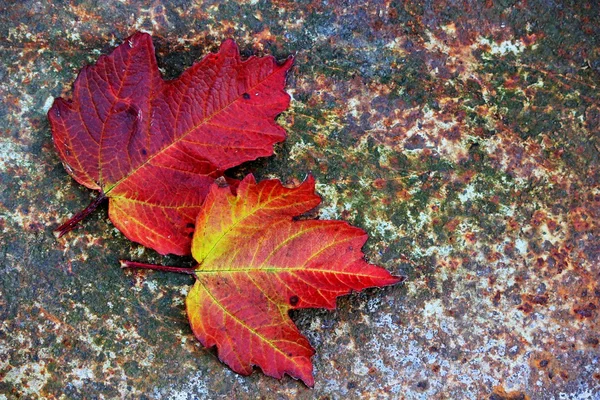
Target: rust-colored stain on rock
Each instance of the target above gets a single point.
(463, 136)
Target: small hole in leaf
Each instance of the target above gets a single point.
(246, 96)
(294, 300)
(189, 225)
(191, 235)
(144, 152)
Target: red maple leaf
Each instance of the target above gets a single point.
(153, 147)
(256, 263)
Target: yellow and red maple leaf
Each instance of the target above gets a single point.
(256, 263)
(154, 147)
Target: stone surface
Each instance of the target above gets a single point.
(463, 136)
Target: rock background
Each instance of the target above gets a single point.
(462, 135)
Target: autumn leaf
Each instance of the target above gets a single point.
(153, 147)
(256, 263)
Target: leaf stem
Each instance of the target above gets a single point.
(134, 264)
(72, 223)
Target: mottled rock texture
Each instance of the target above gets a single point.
(464, 136)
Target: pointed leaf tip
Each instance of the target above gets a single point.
(229, 47)
(287, 64)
